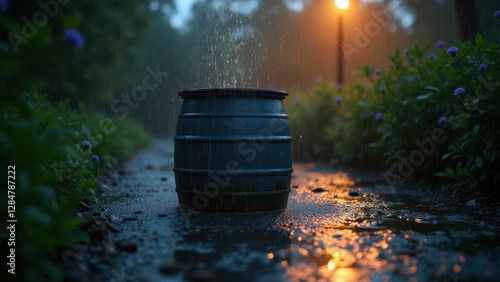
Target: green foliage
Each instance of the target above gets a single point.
(332, 124)
(43, 140)
(93, 73)
(476, 120)
(354, 128)
(424, 130)
(42, 224)
(419, 90)
(53, 172)
(308, 117)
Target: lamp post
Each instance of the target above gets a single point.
(341, 5)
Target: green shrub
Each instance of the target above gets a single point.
(309, 115)
(476, 118)
(406, 118)
(78, 61)
(417, 94)
(93, 73)
(335, 125)
(428, 90)
(54, 172)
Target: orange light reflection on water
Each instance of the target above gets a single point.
(328, 247)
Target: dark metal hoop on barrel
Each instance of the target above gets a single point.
(233, 150)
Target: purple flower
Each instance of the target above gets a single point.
(482, 67)
(379, 116)
(440, 44)
(381, 89)
(338, 100)
(405, 51)
(4, 6)
(297, 102)
(452, 51)
(74, 37)
(86, 145)
(442, 120)
(432, 56)
(378, 72)
(497, 14)
(459, 91)
(95, 158)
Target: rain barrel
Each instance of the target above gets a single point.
(233, 150)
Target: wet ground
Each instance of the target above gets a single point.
(339, 226)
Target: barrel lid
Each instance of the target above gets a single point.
(197, 93)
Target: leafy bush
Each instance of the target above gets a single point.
(417, 94)
(43, 141)
(427, 114)
(54, 171)
(95, 61)
(332, 124)
(476, 119)
(309, 115)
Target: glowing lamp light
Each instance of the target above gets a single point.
(331, 265)
(342, 4)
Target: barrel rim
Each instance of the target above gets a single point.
(222, 92)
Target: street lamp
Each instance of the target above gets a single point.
(341, 5)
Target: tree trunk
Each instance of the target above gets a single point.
(468, 21)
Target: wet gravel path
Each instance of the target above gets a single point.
(339, 226)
